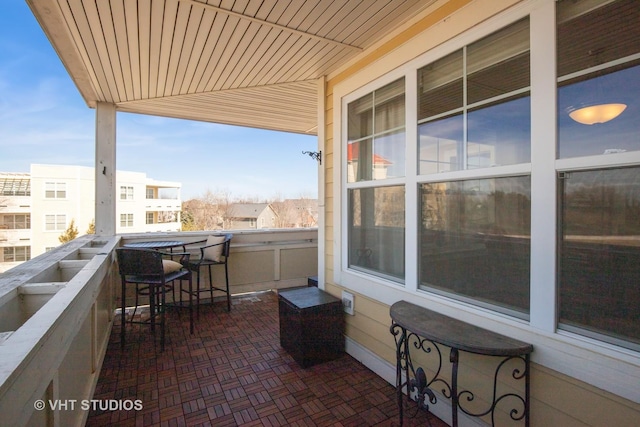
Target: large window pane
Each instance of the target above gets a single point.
(360, 117)
(441, 145)
(600, 253)
(389, 155)
(440, 86)
(376, 231)
(588, 35)
(475, 241)
(376, 158)
(389, 107)
(599, 77)
(499, 63)
(474, 108)
(376, 134)
(619, 134)
(499, 134)
(360, 160)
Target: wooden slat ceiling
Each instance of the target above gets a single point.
(244, 62)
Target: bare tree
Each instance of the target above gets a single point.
(214, 211)
(199, 214)
(208, 212)
(224, 208)
(286, 213)
(295, 213)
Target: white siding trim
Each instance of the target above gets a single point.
(543, 176)
(411, 183)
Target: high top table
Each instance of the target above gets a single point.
(162, 245)
(419, 329)
(150, 244)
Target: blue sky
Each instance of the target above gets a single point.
(43, 119)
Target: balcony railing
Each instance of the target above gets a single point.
(57, 311)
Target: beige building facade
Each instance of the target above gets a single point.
(38, 207)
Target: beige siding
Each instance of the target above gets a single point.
(556, 399)
(328, 163)
(298, 262)
(561, 400)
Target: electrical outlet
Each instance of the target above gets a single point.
(347, 302)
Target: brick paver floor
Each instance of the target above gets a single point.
(231, 372)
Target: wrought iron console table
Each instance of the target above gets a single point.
(422, 330)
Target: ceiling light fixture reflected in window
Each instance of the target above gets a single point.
(599, 113)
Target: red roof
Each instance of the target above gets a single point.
(353, 154)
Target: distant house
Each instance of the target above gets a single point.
(245, 216)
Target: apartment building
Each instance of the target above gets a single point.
(37, 207)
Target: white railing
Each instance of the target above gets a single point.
(57, 311)
(259, 259)
(55, 316)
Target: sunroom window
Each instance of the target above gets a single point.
(598, 124)
(598, 77)
(376, 154)
(376, 146)
(376, 231)
(474, 105)
(600, 253)
(474, 114)
(475, 241)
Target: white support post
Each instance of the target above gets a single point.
(105, 171)
(322, 101)
(543, 177)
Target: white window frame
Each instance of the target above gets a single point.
(126, 219)
(57, 187)
(12, 225)
(612, 368)
(126, 192)
(340, 146)
(25, 253)
(56, 222)
(373, 182)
